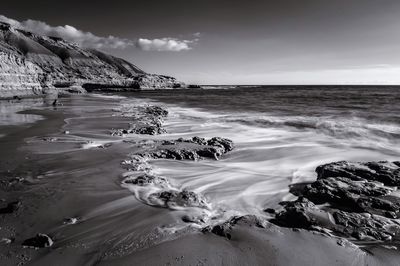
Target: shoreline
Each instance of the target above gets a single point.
(84, 182)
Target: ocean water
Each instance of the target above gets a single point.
(281, 135)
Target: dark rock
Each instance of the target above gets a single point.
(11, 207)
(364, 226)
(347, 194)
(147, 179)
(385, 172)
(147, 120)
(225, 229)
(191, 149)
(39, 241)
(184, 198)
(270, 210)
(193, 86)
(156, 111)
(296, 214)
(358, 200)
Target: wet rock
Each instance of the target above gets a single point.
(385, 172)
(297, 214)
(151, 127)
(347, 194)
(190, 149)
(365, 226)
(225, 229)
(39, 241)
(147, 179)
(147, 120)
(362, 226)
(184, 198)
(11, 207)
(71, 220)
(156, 111)
(358, 202)
(270, 210)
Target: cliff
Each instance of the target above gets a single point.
(32, 65)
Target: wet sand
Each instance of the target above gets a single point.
(58, 176)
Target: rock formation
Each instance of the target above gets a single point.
(32, 65)
(353, 200)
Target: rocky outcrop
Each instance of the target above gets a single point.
(32, 64)
(146, 120)
(189, 149)
(387, 173)
(224, 229)
(39, 241)
(353, 200)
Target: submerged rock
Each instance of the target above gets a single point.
(39, 241)
(11, 207)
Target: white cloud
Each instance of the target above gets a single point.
(164, 44)
(88, 39)
(70, 33)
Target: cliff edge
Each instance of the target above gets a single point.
(33, 65)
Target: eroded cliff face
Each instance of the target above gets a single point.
(32, 64)
(18, 77)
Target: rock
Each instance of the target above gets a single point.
(359, 202)
(184, 198)
(156, 111)
(39, 241)
(225, 229)
(347, 194)
(11, 207)
(71, 220)
(297, 214)
(193, 86)
(365, 227)
(147, 179)
(270, 210)
(385, 172)
(190, 149)
(146, 120)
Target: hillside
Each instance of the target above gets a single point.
(31, 64)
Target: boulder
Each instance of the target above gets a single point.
(39, 241)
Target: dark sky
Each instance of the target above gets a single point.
(244, 42)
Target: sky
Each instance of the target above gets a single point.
(232, 42)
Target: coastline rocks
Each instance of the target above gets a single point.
(190, 149)
(158, 191)
(225, 229)
(352, 200)
(385, 172)
(174, 199)
(346, 194)
(39, 241)
(361, 226)
(147, 179)
(147, 120)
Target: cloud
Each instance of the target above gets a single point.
(70, 33)
(89, 40)
(164, 44)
